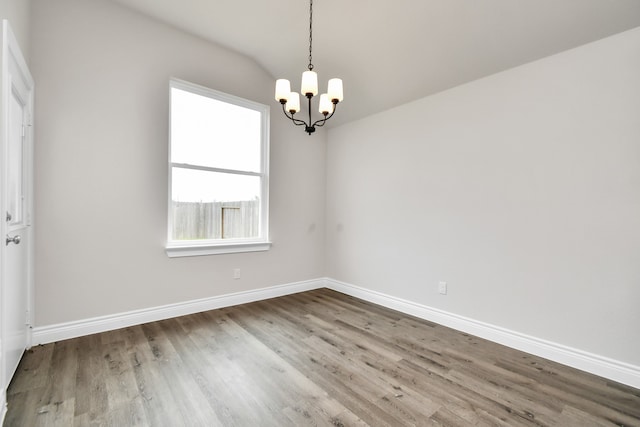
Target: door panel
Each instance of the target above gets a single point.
(15, 311)
(16, 183)
(16, 277)
(15, 163)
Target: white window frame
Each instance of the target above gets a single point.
(182, 248)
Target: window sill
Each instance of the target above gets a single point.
(176, 250)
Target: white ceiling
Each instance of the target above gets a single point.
(391, 52)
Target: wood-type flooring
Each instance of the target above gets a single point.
(317, 358)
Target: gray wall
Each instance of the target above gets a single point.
(521, 190)
(102, 75)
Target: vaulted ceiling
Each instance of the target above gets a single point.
(392, 52)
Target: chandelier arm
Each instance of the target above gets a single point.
(323, 120)
(297, 122)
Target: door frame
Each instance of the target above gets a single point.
(14, 71)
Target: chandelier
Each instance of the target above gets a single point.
(291, 100)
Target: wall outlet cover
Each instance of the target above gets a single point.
(442, 288)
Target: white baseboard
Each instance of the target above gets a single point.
(63, 331)
(595, 364)
(602, 366)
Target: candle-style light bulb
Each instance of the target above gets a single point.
(283, 89)
(326, 107)
(309, 83)
(334, 90)
(293, 103)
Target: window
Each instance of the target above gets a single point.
(218, 172)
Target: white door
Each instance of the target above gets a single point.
(16, 188)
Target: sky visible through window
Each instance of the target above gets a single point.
(215, 134)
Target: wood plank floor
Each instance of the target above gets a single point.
(318, 358)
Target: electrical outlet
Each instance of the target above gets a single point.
(236, 273)
(442, 288)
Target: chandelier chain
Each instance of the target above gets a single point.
(310, 32)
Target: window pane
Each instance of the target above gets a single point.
(212, 205)
(208, 132)
(218, 149)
